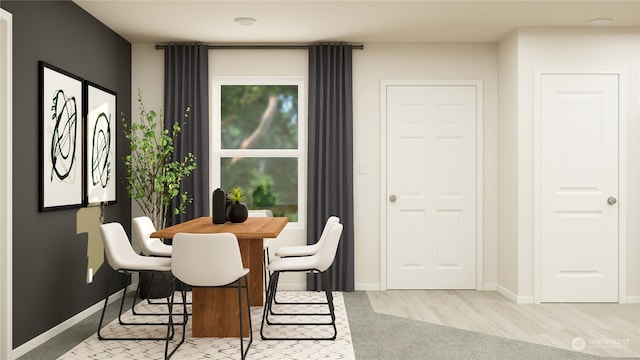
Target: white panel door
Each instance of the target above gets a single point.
(579, 187)
(431, 187)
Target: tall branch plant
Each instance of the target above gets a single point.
(153, 177)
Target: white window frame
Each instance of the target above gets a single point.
(217, 152)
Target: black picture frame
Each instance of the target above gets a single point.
(100, 145)
(61, 138)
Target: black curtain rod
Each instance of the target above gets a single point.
(253, 47)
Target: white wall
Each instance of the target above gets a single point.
(375, 63)
(379, 62)
(508, 213)
(569, 48)
(507, 168)
(147, 81)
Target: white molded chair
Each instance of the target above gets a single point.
(142, 228)
(210, 260)
(307, 250)
(123, 259)
(317, 263)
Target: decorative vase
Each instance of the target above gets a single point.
(237, 212)
(218, 206)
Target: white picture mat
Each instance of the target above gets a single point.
(101, 145)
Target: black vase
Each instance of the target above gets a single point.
(237, 212)
(218, 206)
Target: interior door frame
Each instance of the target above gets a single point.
(479, 167)
(6, 220)
(622, 175)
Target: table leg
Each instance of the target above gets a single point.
(252, 253)
(215, 310)
(215, 313)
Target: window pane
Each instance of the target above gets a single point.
(268, 183)
(259, 116)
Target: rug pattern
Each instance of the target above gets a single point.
(225, 348)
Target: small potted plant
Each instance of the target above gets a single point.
(237, 211)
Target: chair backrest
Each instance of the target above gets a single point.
(308, 250)
(327, 252)
(261, 213)
(206, 259)
(142, 228)
(117, 246)
(327, 225)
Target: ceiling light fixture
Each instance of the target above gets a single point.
(599, 22)
(245, 20)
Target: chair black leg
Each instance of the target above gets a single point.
(166, 302)
(332, 310)
(121, 322)
(273, 280)
(138, 291)
(151, 302)
(243, 352)
(266, 274)
(271, 295)
(104, 308)
(246, 292)
(278, 302)
(170, 326)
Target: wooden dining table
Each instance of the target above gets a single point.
(215, 310)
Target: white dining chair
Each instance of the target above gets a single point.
(211, 260)
(142, 229)
(123, 259)
(317, 263)
(307, 250)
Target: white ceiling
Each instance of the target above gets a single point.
(357, 21)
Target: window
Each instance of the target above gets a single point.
(257, 142)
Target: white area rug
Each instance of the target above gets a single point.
(224, 348)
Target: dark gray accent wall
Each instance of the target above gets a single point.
(49, 256)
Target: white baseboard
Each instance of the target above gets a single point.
(490, 287)
(376, 287)
(69, 323)
(518, 299)
(633, 299)
(367, 287)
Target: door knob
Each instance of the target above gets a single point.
(612, 200)
(393, 198)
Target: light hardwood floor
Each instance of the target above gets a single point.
(607, 329)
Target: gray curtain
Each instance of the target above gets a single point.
(186, 84)
(330, 162)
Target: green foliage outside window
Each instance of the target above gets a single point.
(261, 117)
(270, 183)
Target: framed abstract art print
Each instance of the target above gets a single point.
(100, 167)
(61, 132)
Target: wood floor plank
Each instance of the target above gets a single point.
(608, 329)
